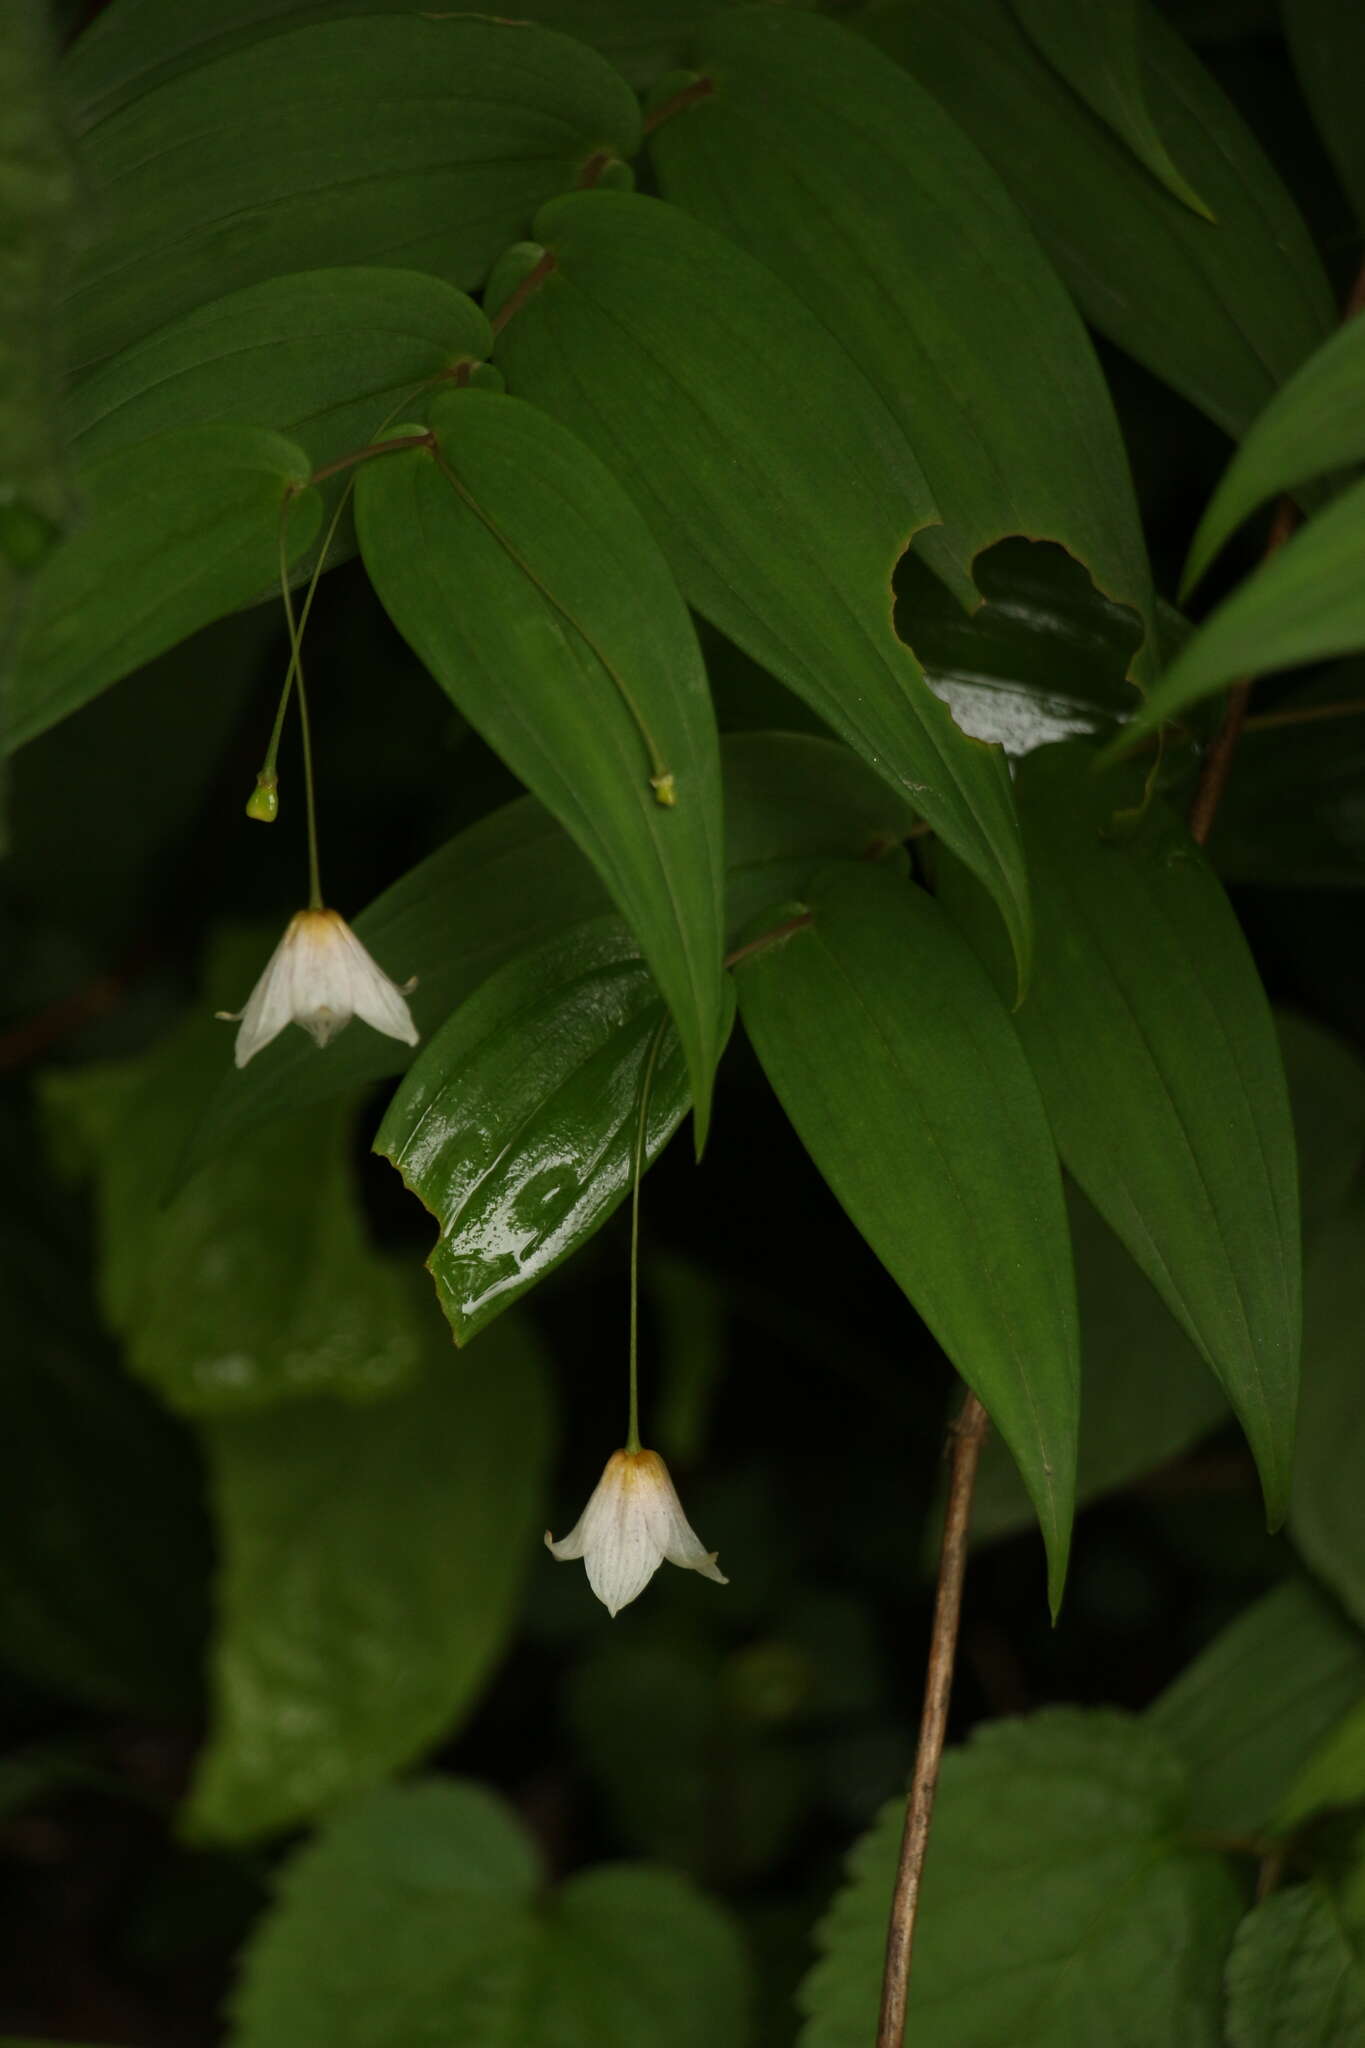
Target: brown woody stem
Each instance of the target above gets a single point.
(969, 1434)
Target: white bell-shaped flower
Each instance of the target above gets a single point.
(320, 976)
(632, 1523)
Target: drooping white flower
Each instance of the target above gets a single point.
(320, 976)
(632, 1523)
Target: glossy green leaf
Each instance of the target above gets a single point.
(255, 1282)
(519, 571)
(103, 1582)
(1248, 1712)
(36, 193)
(896, 1063)
(516, 879)
(1146, 1395)
(245, 167)
(178, 531)
(1223, 313)
(1327, 43)
(419, 1916)
(1100, 52)
(1327, 1508)
(1043, 658)
(325, 356)
(1313, 424)
(1152, 1042)
(778, 484)
(516, 1125)
(1305, 601)
(1292, 1979)
(373, 1560)
(828, 163)
(1059, 1900)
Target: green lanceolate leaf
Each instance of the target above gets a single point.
(1146, 1395)
(1305, 601)
(519, 571)
(1314, 424)
(748, 436)
(1293, 1980)
(1327, 1509)
(1327, 42)
(324, 356)
(1334, 1775)
(420, 1915)
(1223, 313)
(1058, 1894)
(1100, 53)
(516, 1125)
(896, 1063)
(833, 167)
(373, 1558)
(1246, 1715)
(516, 879)
(177, 532)
(245, 168)
(1153, 1045)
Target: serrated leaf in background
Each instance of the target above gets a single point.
(1292, 1978)
(747, 434)
(516, 1126)
(373, 1557)
(244, 168)
(831, 165)
(1152, 1042)
(1249, 1710)
(416, 1916)
(895, 1061)
(178, 531)
(520, 572)
(1223, 313)
(1059, 1900)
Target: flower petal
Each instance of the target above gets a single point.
(375, 999)
(670, 1528)
(269, 1006)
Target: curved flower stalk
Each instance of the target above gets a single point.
(320, 976)
(633, 1521)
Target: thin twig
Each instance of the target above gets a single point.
(969, 1434)
(699, 89)
(1213, 778)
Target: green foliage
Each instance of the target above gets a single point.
(373, 1562)
(1060, 1899)
(179, 530)
(876, 1027)
(1327, 39)
(1222, 315)
(457, 170)
(846, 179)
(1153, 1046)
(1327, 1509)
(616, 1955)
(682, 361)
(516, 1127)
(1101, 53)
(1293, 1981)
(530, 556)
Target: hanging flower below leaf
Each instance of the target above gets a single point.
(320, 976)
(633, 1521)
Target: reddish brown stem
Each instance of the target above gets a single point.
(399, 441)
(766, 939)
(700, 89)
(1213, 777)
(529, 285)
(969, 1434)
